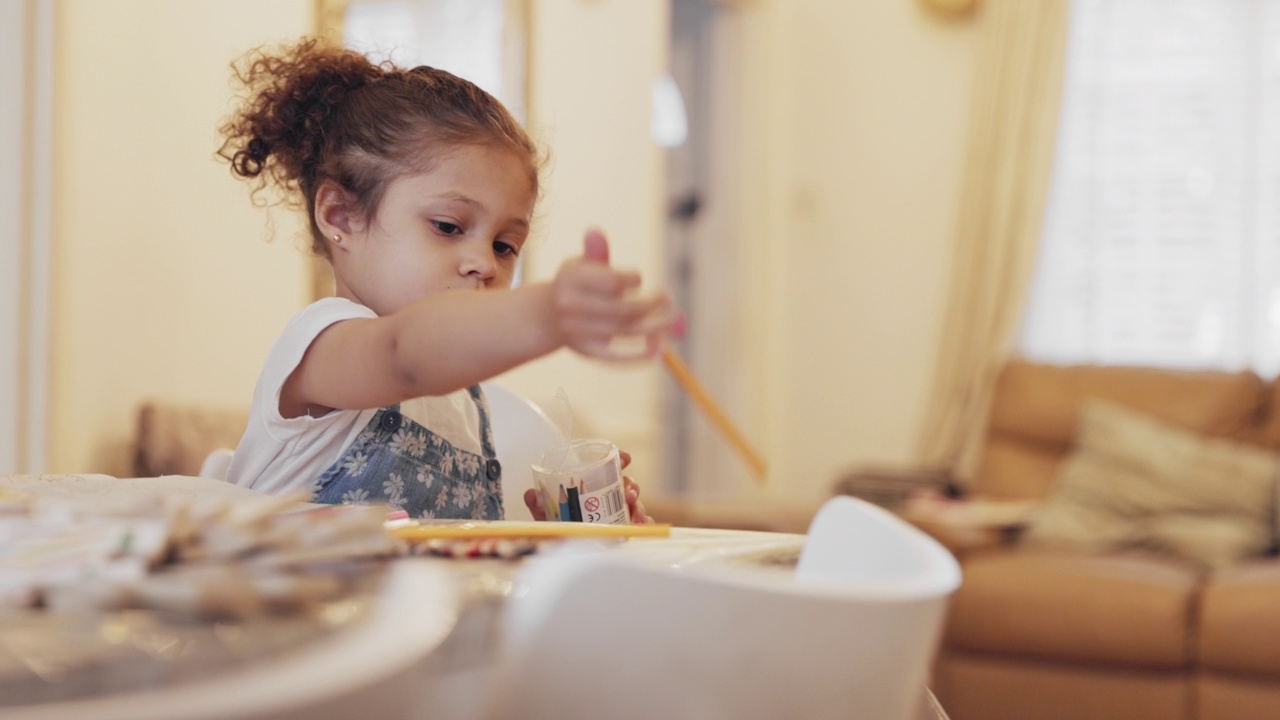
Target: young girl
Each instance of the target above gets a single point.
(420, 189)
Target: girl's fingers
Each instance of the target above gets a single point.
(661, 319)
(595, 248)
(636, 508)
(533, 501)
(652, 317)
(598, 279)
(602, 351)
(614, 312)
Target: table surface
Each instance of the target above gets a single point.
(467, 649)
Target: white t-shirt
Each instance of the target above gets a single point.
(279, 454)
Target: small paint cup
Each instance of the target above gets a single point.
(582, 483)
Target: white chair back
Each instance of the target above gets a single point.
(521, 432)
(596, 635)
(217, 463)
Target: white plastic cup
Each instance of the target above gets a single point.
(582, 483)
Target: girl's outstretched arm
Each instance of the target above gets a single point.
(450, 340)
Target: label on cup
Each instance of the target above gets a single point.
(606, 505)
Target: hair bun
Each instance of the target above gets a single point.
(280, 130)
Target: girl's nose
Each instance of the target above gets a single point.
(478, 261)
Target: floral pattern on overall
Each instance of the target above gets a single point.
(405, 465)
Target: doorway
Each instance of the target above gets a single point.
(703, 263)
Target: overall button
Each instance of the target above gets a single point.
(391, 421)
(493, 469)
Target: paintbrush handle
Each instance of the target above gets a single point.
(698, 393)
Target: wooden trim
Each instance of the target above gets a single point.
(329, 15)
(329, 21)
(38, 285)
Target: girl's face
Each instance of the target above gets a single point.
(458, 226)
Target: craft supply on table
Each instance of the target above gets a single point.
(503, 548)
(228, 558)
(468, 529)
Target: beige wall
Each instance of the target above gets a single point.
(164, 284)
(853, 129)
(867, 107)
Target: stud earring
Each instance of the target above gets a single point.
(337, 239)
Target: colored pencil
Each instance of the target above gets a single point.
(575, 510)
(564, 505)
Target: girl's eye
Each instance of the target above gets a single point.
(447, 228)
(505, 249)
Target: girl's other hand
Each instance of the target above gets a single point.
(592, 303)
(533, 501)
(635, 508)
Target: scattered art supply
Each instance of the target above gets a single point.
(502, 548)
(233, 558)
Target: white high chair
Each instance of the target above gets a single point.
(217, 463)
(850, 634)
(521, 432)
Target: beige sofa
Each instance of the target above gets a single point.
(173, 438)
(1040, 633)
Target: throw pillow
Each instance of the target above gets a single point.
(1132, 480)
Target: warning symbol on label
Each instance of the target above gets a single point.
(592, 504)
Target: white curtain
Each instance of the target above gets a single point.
(1012, 132)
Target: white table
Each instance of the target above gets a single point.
(439, 625)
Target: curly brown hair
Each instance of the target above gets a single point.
(316, 112)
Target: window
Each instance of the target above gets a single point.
(1161, 241)
(483, 41)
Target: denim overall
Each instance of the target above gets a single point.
(397, 461)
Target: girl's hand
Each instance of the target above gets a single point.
(635, 508)
(533, 501)
(592, 303)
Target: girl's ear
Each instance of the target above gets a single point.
(335, 211)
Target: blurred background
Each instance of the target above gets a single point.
(848, 198)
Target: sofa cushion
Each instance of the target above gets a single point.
(1267, 430)
(1133, 480)
(1017, 468)
(1036, 408)
(1239, 620)
(1125, 609)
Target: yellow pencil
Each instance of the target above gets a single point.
(427, 531)
(695, 390)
